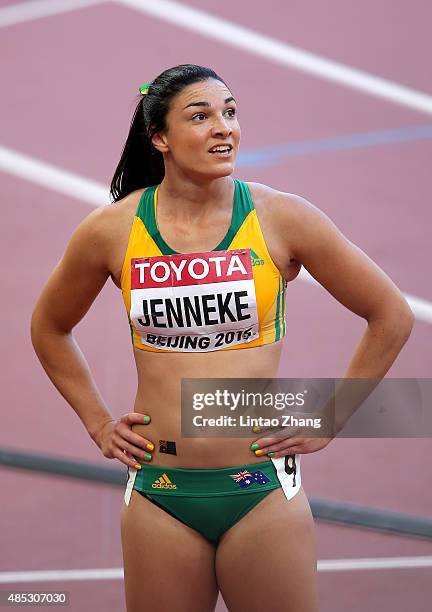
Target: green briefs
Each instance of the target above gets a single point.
(212, 501)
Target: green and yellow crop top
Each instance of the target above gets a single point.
(230, 298)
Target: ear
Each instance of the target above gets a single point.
(160, 143)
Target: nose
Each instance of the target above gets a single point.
(220, 126)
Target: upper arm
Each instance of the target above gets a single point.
(339, 265)
(77, 279)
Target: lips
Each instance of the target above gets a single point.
(227, 145)
(222, 154)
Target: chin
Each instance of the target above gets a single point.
(227, 172)
(224, 170)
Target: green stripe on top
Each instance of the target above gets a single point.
(277, 319)
(242, 206)
(283, 307)
(146, 212)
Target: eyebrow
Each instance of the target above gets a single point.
(230, 99)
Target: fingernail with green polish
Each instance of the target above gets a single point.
(270, 454)
(147, 419)
(147, 457)
(254, 446)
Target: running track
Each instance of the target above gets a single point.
(355, 145)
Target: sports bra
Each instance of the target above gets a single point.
(232, 297)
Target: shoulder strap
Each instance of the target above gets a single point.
(243, 205)
(144, 210)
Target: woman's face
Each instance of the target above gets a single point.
(201, 116)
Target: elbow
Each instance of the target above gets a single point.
(39, 327)
(397, 319)
(35, 328)
(406, 319)
(399, 331)
(45, 336)
(406, 329)
(43, 322)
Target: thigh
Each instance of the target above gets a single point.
(167, 565)
(268, 559)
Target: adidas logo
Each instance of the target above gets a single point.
(163, 483)
(256, 260)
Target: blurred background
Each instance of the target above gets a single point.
(335, 103)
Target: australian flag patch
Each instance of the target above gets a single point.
(245, 479)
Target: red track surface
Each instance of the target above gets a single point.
(68, 89)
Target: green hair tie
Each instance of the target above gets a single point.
(143, 89)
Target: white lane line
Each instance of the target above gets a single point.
(116, 573)
(97, 194)
(238, 36)
(52, 177)
(58, 575)
(421, 308)
(342, 565)
(259, 44)
(34, 9)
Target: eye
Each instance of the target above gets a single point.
(233, 112)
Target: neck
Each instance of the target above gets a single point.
(183, 195)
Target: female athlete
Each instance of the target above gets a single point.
(203, 261)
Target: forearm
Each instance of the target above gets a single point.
(378, 349)
(68, 369)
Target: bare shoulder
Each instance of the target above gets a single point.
(107, 221)
(284, 205)
(299, 222)
(279, 214)
(94, 248)
(335, 262)
(104, 233)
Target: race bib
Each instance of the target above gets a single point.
(195, 301)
